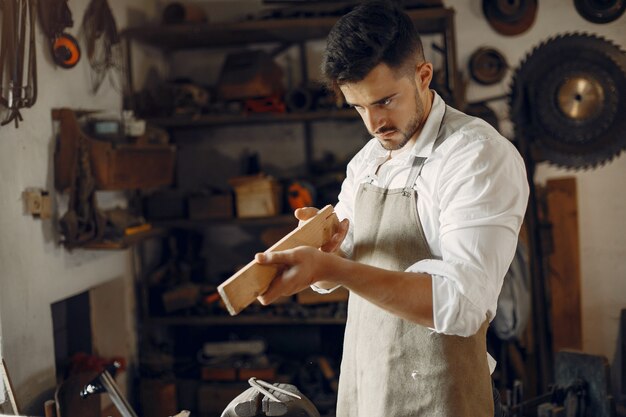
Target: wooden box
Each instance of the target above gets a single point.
(216, 206)
(256, 196)
(113, 166)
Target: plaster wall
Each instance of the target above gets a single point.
(36, 271)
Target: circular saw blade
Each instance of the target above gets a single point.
(567, 100)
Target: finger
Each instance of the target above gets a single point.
(305, 213)
(272, 293)
(279, 257)
(338, 237)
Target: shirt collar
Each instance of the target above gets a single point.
(423, 146)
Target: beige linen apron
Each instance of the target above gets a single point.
(392, 367)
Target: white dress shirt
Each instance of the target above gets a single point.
(472, 196)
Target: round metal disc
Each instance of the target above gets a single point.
(487, 66)
(580, 98)
(600, 11)
(510, 17)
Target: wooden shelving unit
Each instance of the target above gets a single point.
(126, 241)
(208, 120)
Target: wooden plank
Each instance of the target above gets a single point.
(564, 265)
(252, 280)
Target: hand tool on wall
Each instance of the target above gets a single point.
(18, 63)
(241, 289)
(99, 32)
(54, 17)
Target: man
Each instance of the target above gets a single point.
(431, 210)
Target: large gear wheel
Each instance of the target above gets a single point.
(568, 100)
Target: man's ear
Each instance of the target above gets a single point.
(424, 75)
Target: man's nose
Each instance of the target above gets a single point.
(374, 119)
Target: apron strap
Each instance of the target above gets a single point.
(416, 170)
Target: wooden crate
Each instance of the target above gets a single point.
(216, 206)
(114, 166)
(257, 196)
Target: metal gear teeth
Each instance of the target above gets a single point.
(519, 114)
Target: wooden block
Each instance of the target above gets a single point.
(252, 280)
(564, 271)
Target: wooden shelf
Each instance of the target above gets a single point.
(241, 321)
(285, 219)
(254, 118)
(290, 30)
(125, 242)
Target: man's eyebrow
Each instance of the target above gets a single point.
(379, 101)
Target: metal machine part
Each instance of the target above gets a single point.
(265, 399)
(567, 98)
(487, 66)
(600, 11)
(510, 17)
(105, 383)
(581, 389)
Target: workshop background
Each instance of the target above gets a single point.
(48, 291)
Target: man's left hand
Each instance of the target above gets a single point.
(298, 269)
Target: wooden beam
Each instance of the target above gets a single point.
(252, 280)
(564, 264)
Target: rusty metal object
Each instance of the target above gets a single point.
(567, 100)
(510, 17)
(487, 66)
(600, 11)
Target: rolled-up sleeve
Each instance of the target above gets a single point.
(482, 194)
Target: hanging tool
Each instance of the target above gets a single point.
(54, 17)
(568, 99)
(65, 50)
(18, 64)
(102, 40)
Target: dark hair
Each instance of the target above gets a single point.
(372, 33)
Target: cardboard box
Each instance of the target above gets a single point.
(257, 196)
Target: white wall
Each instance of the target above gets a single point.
(601, 204)
(35, 270)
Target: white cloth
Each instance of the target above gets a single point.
(472, 196)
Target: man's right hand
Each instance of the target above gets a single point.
(334, 244)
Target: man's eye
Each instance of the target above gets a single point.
(387, 102)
